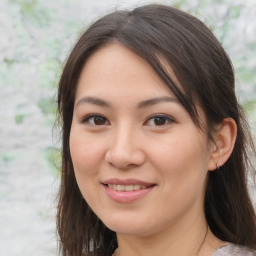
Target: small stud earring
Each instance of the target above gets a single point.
(218, 166)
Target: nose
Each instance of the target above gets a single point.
(124, 151)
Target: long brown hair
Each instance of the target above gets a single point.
(157, 32)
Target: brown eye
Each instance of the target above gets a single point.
(96, 120)
(159, 120)
(99, 120)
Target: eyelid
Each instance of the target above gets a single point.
(167, 117)
(89, 116)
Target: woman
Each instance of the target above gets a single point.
(155, 146)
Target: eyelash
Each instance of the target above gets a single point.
(93, 116)
(167, 120)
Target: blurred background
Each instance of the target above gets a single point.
(35, 38)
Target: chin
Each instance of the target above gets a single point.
(129, 227)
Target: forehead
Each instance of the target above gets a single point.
(116, 69)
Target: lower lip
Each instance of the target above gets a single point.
(127, 196)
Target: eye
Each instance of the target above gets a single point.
(159, 120)
(94, 119)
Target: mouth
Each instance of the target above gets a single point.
(127, 191)
(118, 187)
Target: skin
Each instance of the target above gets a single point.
(130, 140)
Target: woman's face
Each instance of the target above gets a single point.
(139, 160)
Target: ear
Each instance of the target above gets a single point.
(224, 138)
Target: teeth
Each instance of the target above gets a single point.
(136, 187)
(126, 187)
(119, 187)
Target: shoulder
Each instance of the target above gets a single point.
(234, 250)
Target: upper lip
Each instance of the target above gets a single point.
(116, 181)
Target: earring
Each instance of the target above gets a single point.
(218, 166)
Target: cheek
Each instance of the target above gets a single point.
(85, 153)
(183, 170)
(182, 160)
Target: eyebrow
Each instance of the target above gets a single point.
(157, 100)
(103, 103)
(93, 100)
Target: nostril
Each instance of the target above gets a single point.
(125, 158)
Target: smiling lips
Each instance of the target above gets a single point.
(126, 187)
(127, 191)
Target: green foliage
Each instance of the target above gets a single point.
(178, 4)
(250, 104)
(33, 12)
(49, 74)
(7, 157)
(235, 11)
(19, 118)
(9, 62)
(52, 156)
(47, 105)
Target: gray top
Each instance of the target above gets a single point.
(233, 250)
